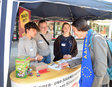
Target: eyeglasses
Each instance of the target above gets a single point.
(43, 27)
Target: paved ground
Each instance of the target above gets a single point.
(14, 53)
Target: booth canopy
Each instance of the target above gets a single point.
(69, 9)
(50, 9)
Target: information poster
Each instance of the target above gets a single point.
(24, 17)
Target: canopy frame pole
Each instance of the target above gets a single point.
(110, 29)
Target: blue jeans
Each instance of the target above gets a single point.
(46, 59)
(106, 85)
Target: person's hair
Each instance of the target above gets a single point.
(30, 25)
(63, 26)
(81, 25)
(41, 21)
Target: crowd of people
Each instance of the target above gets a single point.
(37, 40)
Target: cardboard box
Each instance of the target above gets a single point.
(22, 65)
(39, 66)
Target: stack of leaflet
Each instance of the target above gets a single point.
(76, 59)
(76, 62)
(55, 66)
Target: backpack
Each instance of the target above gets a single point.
(109, 69)
(109, 43)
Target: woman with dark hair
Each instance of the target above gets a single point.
(94, 58)
(65, 46)
(27, 45)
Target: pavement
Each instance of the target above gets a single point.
(14, 53)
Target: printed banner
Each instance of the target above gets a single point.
(24, 17)
(70, 80)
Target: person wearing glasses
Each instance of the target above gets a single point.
(43, 40)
